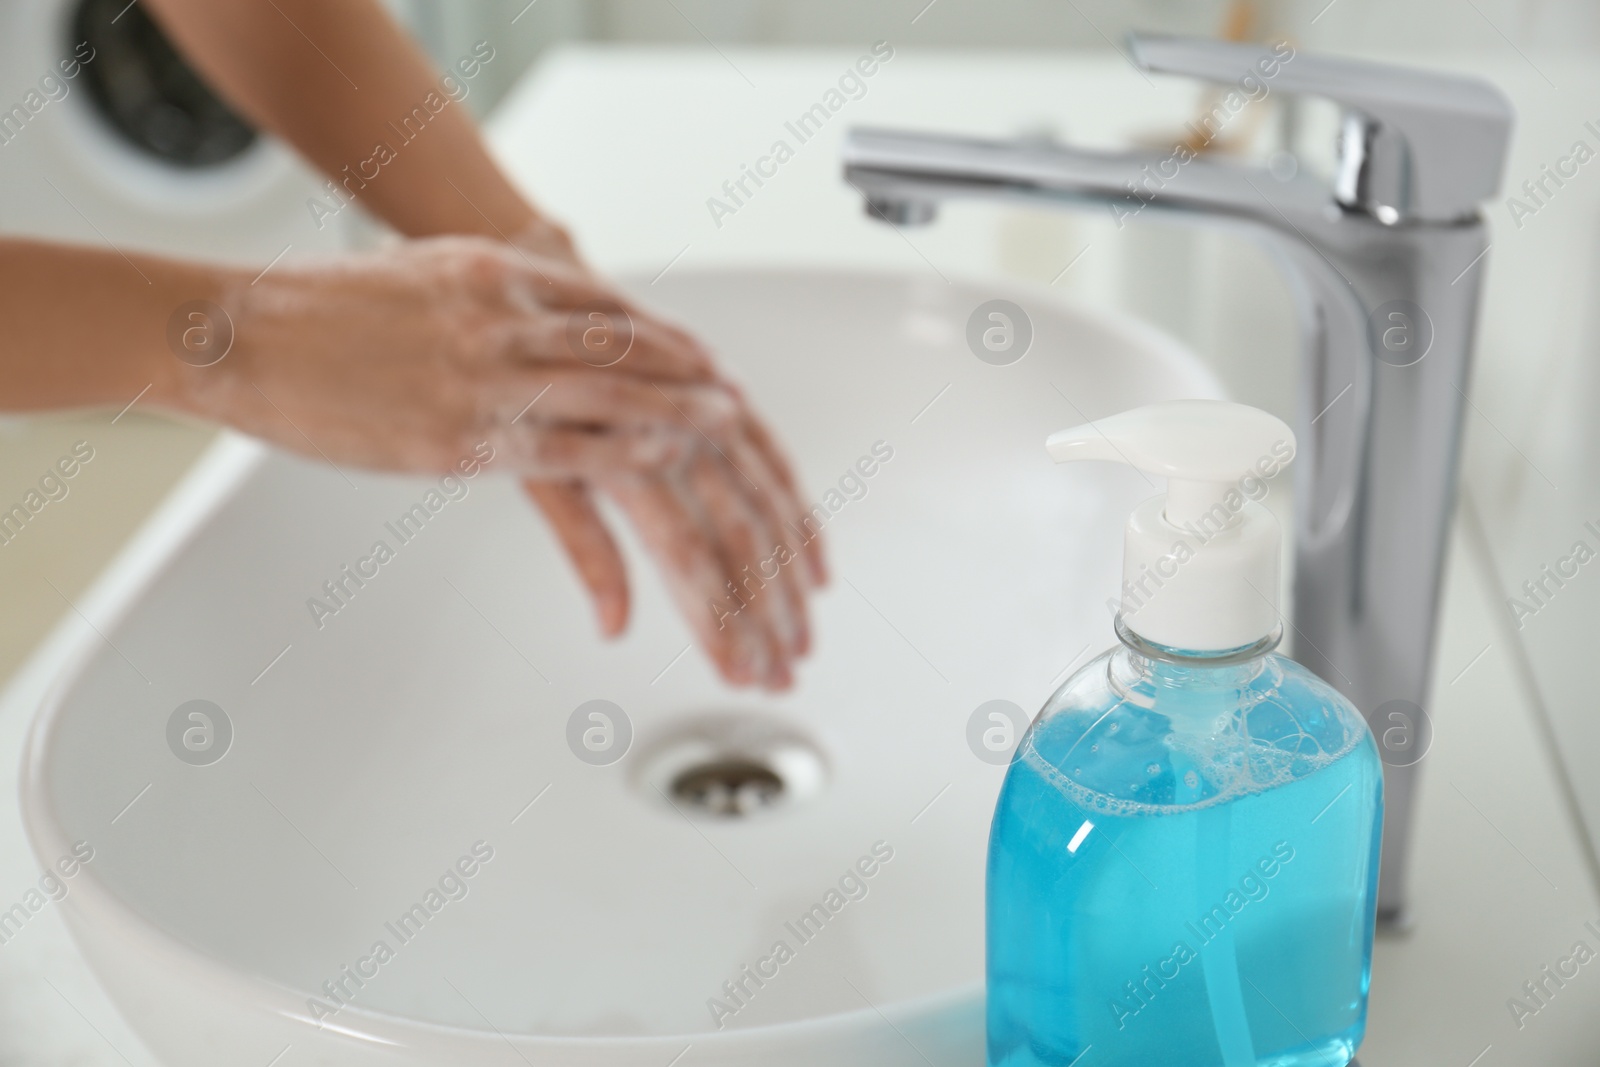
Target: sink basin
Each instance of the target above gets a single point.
(424, 769)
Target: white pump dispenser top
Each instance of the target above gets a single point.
(1200, 564)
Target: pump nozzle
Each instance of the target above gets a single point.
(1203, 447)
(1200, 564)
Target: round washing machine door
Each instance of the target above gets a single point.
(108, 134)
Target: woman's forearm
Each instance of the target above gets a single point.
(330, 79)
(87, 327)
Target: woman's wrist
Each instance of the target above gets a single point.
(199, 349)
(544, 237)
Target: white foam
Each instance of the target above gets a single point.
(1234, 764)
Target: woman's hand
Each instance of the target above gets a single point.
(405, 359)
(693, 548)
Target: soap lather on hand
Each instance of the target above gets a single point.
(476, 327)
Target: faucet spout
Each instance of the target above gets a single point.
(894, 167)
(1384, 266)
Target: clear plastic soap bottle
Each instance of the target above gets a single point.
(1184, 857)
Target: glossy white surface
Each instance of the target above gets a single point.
(429, 713)
(1487, 918)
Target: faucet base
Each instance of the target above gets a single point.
(902, 212)
(1395, 921)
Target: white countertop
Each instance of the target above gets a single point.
(628, 145)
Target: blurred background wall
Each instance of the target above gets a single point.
(1355, 27)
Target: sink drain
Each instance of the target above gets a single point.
(731, 766)
(730, 787)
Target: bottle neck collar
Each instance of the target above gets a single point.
(1195, 660)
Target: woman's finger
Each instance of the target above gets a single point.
(529, 281)
(571, 512)
(754, 553)
(559, 452)
(777, 512)
(560, 310)
(606, 399)
(685, 346)
(758, 449)
(696, 572)
(602, 334)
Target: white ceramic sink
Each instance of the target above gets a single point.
(422, 719)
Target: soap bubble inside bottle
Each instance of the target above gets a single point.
(1183, 867)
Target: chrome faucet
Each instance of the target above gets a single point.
(1384, 263)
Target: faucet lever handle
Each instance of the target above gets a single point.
(1414, 144)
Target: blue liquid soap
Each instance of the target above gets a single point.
(1183, 868)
